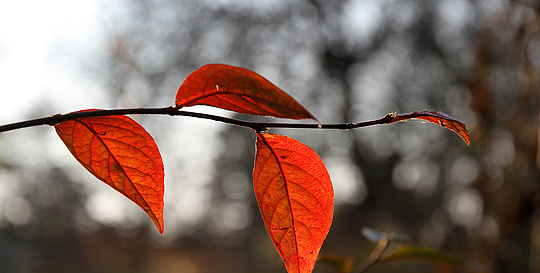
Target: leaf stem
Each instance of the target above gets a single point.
(171, 111)
(373, 257)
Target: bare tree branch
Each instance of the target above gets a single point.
(171, 111)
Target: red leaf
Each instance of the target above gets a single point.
(436, 117)
(295, 197)
(118, 151)
(240, 90)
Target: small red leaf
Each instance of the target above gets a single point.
(295, 197)
(437, 117)
(119, 151)
(240, 90)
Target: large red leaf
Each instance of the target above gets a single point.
(436, 117)
(295, 197)
(237, 89)
(118, 151)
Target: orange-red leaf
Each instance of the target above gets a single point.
(119, 151)
(436, 117)
(295, 197)
(240, 90)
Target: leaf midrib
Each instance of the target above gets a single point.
(95, 134)
(261, 136)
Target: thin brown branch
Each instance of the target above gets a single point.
(171, 111)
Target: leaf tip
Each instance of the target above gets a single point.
(159, 224)
(437, 117)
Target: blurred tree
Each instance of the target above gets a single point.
(346, 61)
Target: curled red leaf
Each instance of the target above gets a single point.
(119, 151)
(437, 117)
(295, 197)
(240, 90)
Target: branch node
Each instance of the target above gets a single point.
(261, 129)
(171, 110)
(53, 119)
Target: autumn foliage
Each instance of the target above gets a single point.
(295, 197)
(118, 151)
(292, 186)
(240, 90)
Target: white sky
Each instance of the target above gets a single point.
(35, 37)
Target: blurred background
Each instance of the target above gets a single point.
(345, 61)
